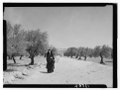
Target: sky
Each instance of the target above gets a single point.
(66, 26)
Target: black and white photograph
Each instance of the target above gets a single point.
(59, 44)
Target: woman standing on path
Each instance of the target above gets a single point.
(50, 61)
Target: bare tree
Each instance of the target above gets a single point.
(84, 52)
(72, 51)
(102, 51)
(80, 52)
(37, 43)
(15, 41)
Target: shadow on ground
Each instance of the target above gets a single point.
(17, 64)
(11, 70)
(44, 72)
(109, 61)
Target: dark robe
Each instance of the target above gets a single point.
(50, 61)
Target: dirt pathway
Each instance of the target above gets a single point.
(71, 71)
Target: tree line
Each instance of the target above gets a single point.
(31, 43)
(98, 51)
(22, 42)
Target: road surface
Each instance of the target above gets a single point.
(71, 71)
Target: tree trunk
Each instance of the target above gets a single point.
(79, 58)
(8, 56)
(32, 60)
(85, 57)
(101, 62)
(21, 57)
(13, 59)
(76, 56)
